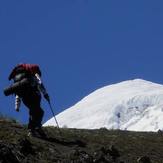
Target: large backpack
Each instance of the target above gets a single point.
(24, 79)
(30, 69)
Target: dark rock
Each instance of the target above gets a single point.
(102, 156)
(144, 159)
(25, 146)
(79, 156)
(114, 153)
(7, 155)
(160, 132)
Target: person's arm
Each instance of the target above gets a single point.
(17, 103)
(41, 87)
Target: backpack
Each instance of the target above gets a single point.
(23, 76)
(30, 69)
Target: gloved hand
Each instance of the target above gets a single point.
(46, 96)
(17, 109)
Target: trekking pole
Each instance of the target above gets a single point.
(54, 117)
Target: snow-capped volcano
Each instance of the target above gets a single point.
(130, 105)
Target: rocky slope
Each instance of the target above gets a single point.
(78, 146)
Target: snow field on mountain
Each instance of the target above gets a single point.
(130, 105)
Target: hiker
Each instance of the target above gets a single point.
(28, 87)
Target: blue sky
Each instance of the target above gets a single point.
(80, 45)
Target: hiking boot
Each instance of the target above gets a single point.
(31, 133)
(40, 132)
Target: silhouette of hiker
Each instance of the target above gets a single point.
(28, 87)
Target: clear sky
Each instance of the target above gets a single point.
(80, 45)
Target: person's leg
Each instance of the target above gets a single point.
(38, 116)
(35, 111)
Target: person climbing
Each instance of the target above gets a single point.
(28, 87)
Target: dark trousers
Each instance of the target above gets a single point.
(32, 101)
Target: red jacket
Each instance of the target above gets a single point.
(31, 68)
